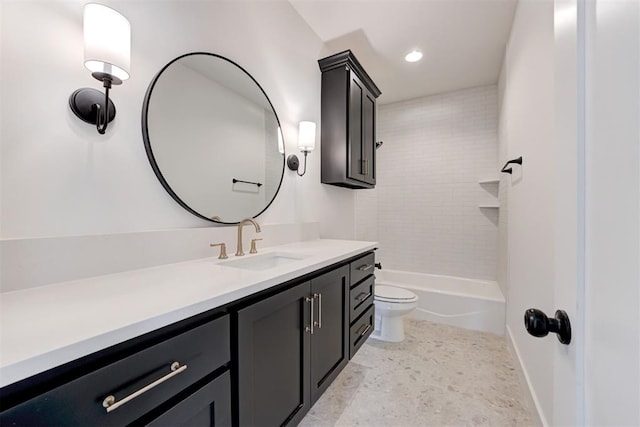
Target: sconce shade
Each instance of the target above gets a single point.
(107, 42)
(280, 142)
(307, 136)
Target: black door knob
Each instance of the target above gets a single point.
(378, 266)
(539, 325)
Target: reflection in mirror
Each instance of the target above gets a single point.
(213, 138)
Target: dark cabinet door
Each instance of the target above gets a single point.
(208, 406)
(369, 138)
(361, 144)
(329, 340)
(274, 359)
(355, 155)
(348, 122)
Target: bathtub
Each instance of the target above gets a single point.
(466, 303)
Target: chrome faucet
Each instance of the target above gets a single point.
(239, 251)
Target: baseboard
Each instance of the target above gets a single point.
(532, 400)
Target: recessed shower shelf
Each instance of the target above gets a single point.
(489, 181)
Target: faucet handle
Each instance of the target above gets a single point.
(223, 250)
(253, 246)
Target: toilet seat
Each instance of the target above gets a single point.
(395, 295)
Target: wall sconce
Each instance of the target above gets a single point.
(107, 53)
(306, 144)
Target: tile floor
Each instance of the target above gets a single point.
(439, 376)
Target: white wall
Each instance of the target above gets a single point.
(426, 200)
(60, 178)
(527, 130)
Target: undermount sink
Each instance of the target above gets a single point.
(262, 262)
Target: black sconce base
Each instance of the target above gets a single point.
(82, 103)
(293, 162)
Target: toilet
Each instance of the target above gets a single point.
(392, 304)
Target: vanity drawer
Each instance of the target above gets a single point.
(361, 297)
(138, 383)
(362, 267)
(360, 331)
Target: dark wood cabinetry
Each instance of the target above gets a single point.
(261, 360)
(208, 406)
(141, 387)
(348, 123)
(329, 341)
(290, 348)
(274, 359)
(361, 295)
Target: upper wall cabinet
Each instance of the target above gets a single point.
(348, 122)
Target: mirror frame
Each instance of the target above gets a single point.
(149, 149)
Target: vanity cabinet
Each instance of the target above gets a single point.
(291, 346)
(361, 295)
(167, 383)
(348, 132)
(263, 359)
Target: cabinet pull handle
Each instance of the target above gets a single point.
(363, 296)
(365, 267)
(319, 322)
(310, 329)
(364, 331)
(365, 167)
(110, 404)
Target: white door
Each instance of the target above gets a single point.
(612, 205)
(597, 241)
(569, 65)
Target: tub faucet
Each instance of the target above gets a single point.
(239, 251)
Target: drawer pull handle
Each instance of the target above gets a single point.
(319, 322)
(310, 329)
(110, 403)
(365, 330)
(365, 267)
(363, 296)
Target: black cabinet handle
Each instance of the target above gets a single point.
(539, 325)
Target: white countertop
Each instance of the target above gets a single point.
(44, 327)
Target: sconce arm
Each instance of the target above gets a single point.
(305, 165)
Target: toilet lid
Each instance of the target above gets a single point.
(391, 293)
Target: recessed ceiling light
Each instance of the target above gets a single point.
(413, 56)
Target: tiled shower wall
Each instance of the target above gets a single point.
(425, 209)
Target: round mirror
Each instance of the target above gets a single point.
(213, 138)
